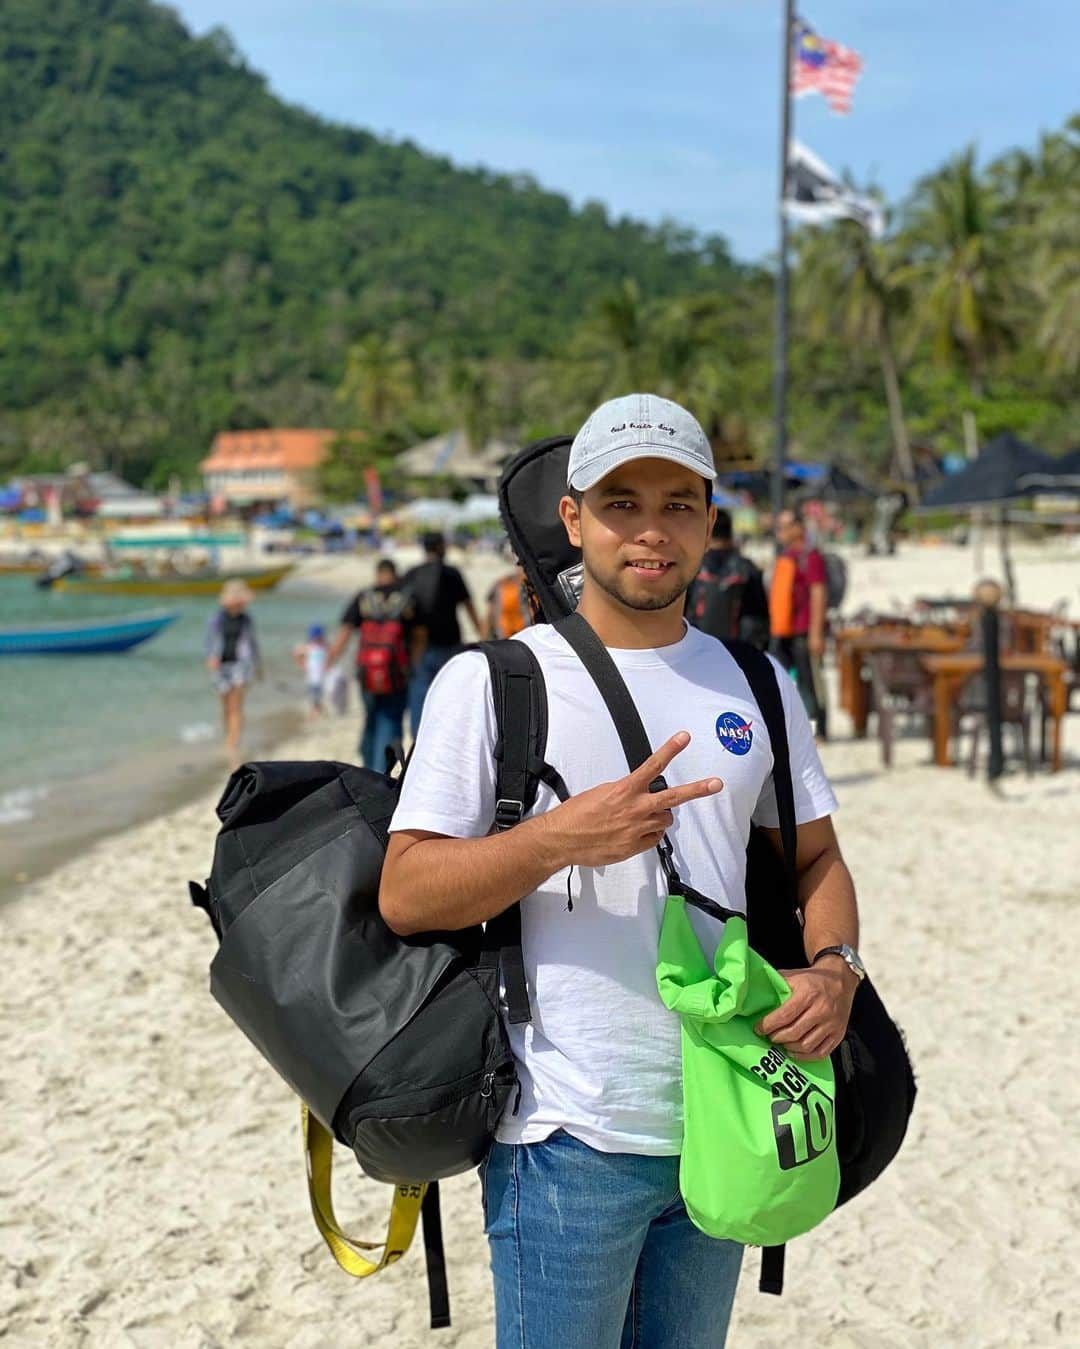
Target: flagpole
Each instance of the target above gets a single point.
(780, 357)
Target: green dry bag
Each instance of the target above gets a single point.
(759, 1162)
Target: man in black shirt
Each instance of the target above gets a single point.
(436, 589)
(728, 597)
(382, 616)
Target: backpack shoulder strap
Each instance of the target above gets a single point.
(617, 698)
(761, 676)
(521, 718)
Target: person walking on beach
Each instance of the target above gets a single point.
(437, 589)
(798, 600)
(382, 619)
(232, 656)
(590, 1240)
(727, 599)
(311, 657)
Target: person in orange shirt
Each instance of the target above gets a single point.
(798, 599)
(507, 607)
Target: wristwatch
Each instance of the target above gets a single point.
(846, 953)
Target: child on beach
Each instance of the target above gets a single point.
(310, 656)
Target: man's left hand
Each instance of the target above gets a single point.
(815, 644)
(812, 1022)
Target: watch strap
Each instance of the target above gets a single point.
(855, 965)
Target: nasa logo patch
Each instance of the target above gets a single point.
(734, 733)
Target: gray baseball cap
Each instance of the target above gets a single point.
(637, 426)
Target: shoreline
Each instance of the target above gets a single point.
(153, 783)
(198, 765)
(122, 795)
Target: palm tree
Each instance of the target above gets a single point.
(846, 282)
(956, 244)
(378, 382)
(469, 395)
(1048, 238)
(612, 351)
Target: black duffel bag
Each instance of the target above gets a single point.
(395, 1045)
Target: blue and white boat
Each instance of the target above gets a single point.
(84, 636)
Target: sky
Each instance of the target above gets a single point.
(670, 109)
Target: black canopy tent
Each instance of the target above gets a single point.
(998, 476)
(1063, 475)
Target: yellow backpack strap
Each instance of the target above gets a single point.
(346, 1250)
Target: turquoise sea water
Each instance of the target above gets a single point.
(75, 729)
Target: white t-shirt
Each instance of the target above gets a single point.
(601, 1055)
(314, 664)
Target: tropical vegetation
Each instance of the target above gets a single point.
(181, 252)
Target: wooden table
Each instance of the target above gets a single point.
(950, 671)
(853, 645)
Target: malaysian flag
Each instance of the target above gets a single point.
(817, 63)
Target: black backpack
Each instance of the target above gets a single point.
(715, 601)
(395, 1045)
(874, 1079)
(836, 581)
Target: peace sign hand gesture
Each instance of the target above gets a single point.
(621, 819)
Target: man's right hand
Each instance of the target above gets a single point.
(621, 819)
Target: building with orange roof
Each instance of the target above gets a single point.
(275, 467)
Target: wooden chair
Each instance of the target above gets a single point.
(900, 685)
(1015, 713)
(1062, 642)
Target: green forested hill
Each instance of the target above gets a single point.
(180, 251)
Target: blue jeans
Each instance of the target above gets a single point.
(593, 1250)
(384, 721)
(428, 666)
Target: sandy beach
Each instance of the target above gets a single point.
(151, 1181)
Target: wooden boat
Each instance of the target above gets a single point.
(83, 636)
(35, 567)
(132, 582)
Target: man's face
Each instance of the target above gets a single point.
(642, 531)
(788, 530)
(385, 576)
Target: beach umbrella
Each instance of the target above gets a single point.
(478, 510)
(432, 512)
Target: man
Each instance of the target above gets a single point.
(382, 617)
(437, 589)
(590, 1241)
(798, 599)
(728, 597)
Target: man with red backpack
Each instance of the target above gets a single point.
(383, 618)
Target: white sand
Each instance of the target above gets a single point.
(151, 1183)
